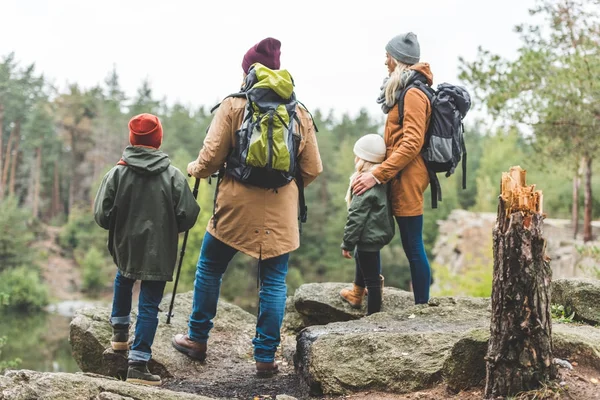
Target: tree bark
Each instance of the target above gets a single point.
(14, 158)
(5, 167)
(1, 149)
(56, 191)
(519, 356)
(587, 213)
(37, 173)
(575, 205)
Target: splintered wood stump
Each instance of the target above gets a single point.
(519, 356)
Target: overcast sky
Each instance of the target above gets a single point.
(191, 51)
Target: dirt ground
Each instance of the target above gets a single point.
(241, 383)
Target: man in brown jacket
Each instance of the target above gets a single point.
(259, 222)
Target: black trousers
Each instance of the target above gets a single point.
(368, 269)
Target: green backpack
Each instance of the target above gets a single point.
(265, 153)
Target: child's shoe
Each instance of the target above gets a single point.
(120, 337)
(138, 373)
(354, 296)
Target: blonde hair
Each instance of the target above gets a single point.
(398, 79)
(361, 167)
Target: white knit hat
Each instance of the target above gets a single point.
(370, 147)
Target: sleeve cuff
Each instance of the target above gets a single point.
(347, 247)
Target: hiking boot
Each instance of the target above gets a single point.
(138, 373)
(266, 370)
(120, 337)
(185, 345)
(353, 296)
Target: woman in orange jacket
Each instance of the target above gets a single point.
(404, 168)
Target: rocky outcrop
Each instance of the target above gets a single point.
(230, 341)
(579, 296)
(396, 352)
(320, 303)
(414, 348)
(465, 242)
(26, 385)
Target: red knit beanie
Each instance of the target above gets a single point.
(265, 52)
(145, 130)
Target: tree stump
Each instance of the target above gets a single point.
(519, 356)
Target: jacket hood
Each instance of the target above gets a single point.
(280, 81)
(146, 160)
(424, 69)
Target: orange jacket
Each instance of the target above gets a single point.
(404, 167)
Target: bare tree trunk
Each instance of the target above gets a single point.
(5, 167)
(1, 149)
(56, 191)
(15, 158)
(37, 173)
(519, 356)
(575, 206)
(587, 214)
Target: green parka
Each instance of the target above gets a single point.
(144, 202)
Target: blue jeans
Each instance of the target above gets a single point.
(411, 233)
(212, 264)
(151, 294)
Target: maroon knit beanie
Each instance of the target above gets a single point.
(265, 52)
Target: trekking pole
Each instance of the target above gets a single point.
(185, 236)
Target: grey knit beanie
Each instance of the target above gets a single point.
(404, 48)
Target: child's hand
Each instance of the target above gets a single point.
(346, 254)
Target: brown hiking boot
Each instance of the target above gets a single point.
(120, 337)
(353, 296)
(266, 370)
(138, 373)
(185, 345)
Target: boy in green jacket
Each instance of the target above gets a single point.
(144, 202)
(370, 227)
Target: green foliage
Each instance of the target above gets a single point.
(15, 235)
(589, 259)
(559, 314)
(82, 233)
(12, 363)
(24, 288)
(7, 364)
(93, 268)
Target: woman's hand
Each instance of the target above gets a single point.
(362, 183)
(346, 254)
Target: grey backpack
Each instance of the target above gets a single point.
(444, 145)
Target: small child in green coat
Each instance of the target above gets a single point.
(144, 202)
(370, 227)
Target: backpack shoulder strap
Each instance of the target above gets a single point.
(309, 113)
(418, 84)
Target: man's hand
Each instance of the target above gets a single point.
(346, 254)
(191, 168)
(362, 183)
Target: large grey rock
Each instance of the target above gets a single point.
(581, 296)
(396, 352)
(465, 367)
(292, 320)
(230, 342)
(577, 343)
(320, 303)
(30, 385)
